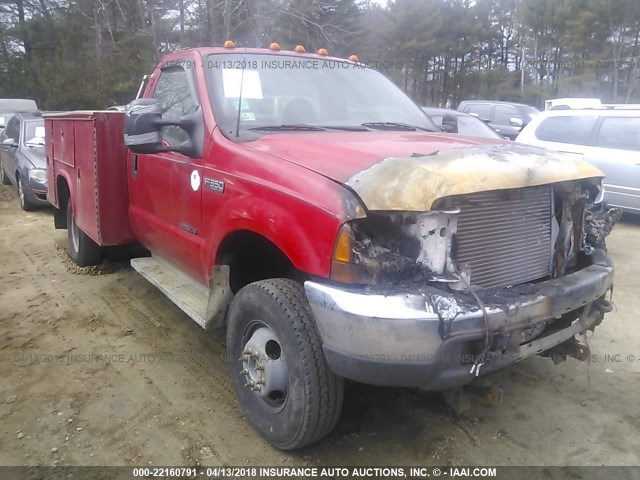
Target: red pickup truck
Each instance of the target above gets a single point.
(308, 207)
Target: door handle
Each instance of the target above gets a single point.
(134, 165)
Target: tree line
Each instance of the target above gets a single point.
(70, 54)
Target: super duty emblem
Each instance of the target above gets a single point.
(214, 185)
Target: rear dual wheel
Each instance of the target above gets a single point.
(278, 367)
(82, 250)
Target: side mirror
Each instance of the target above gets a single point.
(10, 142)
(142, 129)
(516, 122)
(143, 124)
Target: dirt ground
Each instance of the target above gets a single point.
(164, 396)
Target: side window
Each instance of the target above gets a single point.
(574, 130)
(13, 129)
(620, 132)
(482, 110)
(174, 93)
(504, 113)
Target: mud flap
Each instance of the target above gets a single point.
(220, 296)
(60, 218)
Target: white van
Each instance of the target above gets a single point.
(572, 103)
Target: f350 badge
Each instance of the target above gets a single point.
(214, 185)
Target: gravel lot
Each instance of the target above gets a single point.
(164, 396)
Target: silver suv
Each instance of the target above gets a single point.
(608, 139)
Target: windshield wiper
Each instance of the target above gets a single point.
(298, 127)
(393, 126)
(347, 128)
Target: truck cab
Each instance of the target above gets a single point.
(306, 207)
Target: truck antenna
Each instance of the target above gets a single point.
(240, 103)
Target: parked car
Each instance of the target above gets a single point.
(451, 121)
(22, 159)
(11, 106)
(320, 219)
(573, 103)
(506, 118)
(609, 139)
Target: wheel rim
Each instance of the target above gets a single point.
(75, 234)
(264, 368)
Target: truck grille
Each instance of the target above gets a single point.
(505, 235)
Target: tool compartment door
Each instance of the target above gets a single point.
(85, 202)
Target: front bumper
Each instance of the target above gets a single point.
(36, 192)
(422, 339)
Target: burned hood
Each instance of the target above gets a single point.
(414, 183)
(341, 155)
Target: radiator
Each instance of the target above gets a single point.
(505, 235)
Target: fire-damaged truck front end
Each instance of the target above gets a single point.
(465, 262)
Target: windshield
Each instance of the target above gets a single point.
(453, 122)
(279, 90)
(34, 133)
(4, 119)
(530, 111)
(468, 125)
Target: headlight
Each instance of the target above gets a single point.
(391, 248)
(38, 175)
(601, 193)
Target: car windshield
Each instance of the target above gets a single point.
(287, 93)
(4, 119)
(461, 123)
(530, 111)
(468, 125)
(34, 133)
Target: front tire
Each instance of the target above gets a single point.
(278, 367)
(3, 175)
(82, 250)
(25, 204)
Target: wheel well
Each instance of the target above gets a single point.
(252, 257)
(60, 214)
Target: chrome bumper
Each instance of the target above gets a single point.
(430, 328)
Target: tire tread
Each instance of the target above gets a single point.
(325, 390)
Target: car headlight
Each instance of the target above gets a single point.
(600, 196)
(388, 248)
(38, 175)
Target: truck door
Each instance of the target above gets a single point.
(166, 193)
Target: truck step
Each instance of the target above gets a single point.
(190, 296)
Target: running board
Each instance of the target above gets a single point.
(190, 296)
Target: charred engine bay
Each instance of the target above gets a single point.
(389, 247)
(387, 253)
